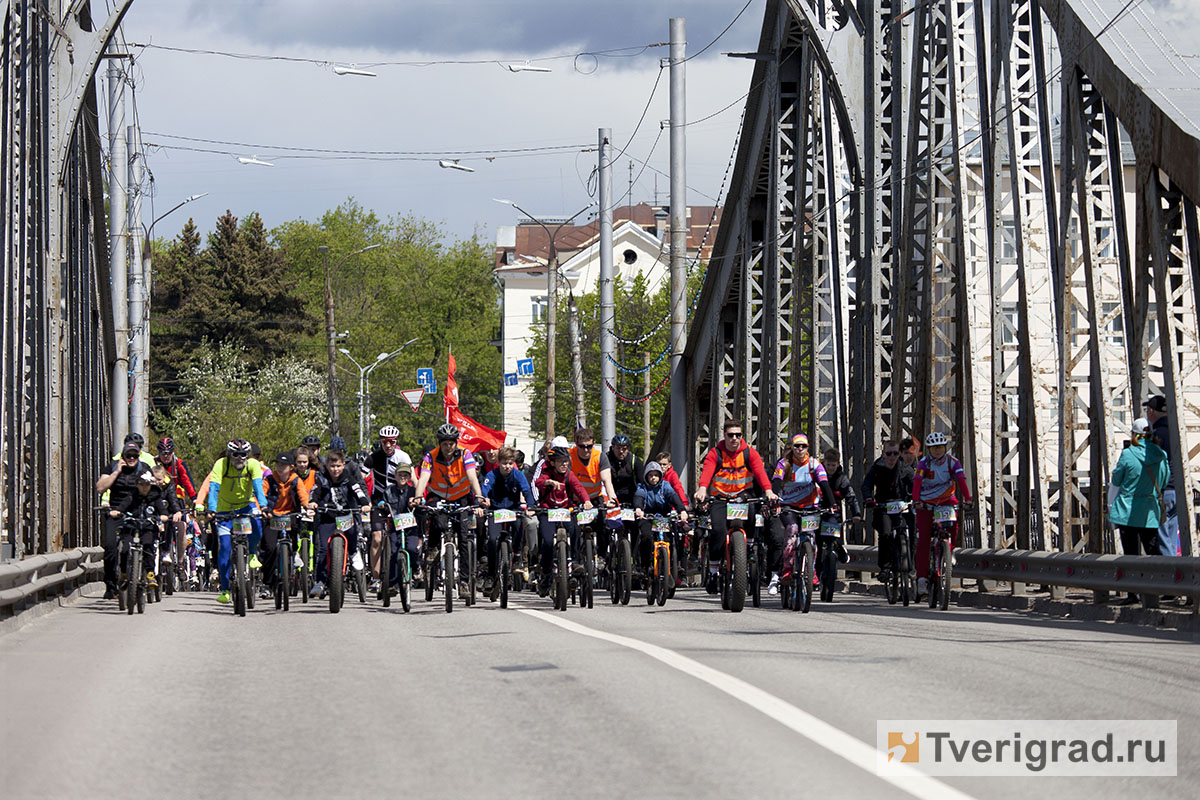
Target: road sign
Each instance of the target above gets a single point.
(413, 396)
(425, 377)
(510, 379)
(525, 367)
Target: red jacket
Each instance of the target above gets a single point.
(753, 461)
(179, 473)
(561, 497)
(672, 478)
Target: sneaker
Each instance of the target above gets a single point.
(150, 580)
(885, 576)
(922, 587)
(493, 591)
(297, 561)
(110, 593)
(544, 587)
(317, 590)
(710, 584)
(464, 590)
(223, 597)
(842, 555)
(773, 586)
(264, 592)
(356, 561)
(254, 562)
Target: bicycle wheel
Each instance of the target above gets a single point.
(504, 571)
(945, 577)
(305, 545)
(737, 566)
(137, 599)
(385, 566)
(589, 572)
(650, 584)
(625, 570)
(828, 573)
(448, 583)
(674, 569)
(428, 570)
(665, 577)
(405, 581)
(337, 577)
(250, 589)
(561, 576)
(360, 583)
(614, 583)
(283, 574)
(167, 579)
(804, 597)
(472, 568)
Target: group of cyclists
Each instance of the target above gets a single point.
(394, 517)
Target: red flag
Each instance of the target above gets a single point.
(473, 436)
(450, 397)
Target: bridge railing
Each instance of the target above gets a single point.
(35, 580)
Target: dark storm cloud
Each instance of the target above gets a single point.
(447, 28)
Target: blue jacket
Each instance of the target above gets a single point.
(659, 499)
(1139, 476)
(507, 492)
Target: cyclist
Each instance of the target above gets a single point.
(449, 473)
(235, 484)
(396, 498)
(888, 479)
(732, 467)
(936, 476)
(558, 487)
(626, 469)
(146, 501)
(120, 482)
(175, 467)
(380, 465)
(304, 468)
(335, 487)
(313, 443)
(506, 487)
(802, 484)
(594, 471)
(670, 476)
(654, 496)
(844, 498)
(286, 494)
(487, 460)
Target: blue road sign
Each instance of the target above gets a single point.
(425, 377)
(525, 366)
(430, 388)
(510, 379)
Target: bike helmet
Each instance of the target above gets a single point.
(389, 432)
(621, 439)
(936, 439)
(447, 433)
(310, 441)
(166, 445)
(238, 448)
(557, 453)
(337, 443)
(135, 438)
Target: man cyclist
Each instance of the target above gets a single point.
(593, 470)
(802, 484)
(448, 472)
(937, 475)
(505, 487)
(235, 485)
(380, 465)
(732, 468)
(558, 487)
(889, 480)
(117, 486)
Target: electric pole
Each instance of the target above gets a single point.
(117, 197)
(608, 369)
(681, 448)
(335, 421)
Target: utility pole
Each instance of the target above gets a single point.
(139, 349)
(681, 448)
(576, 361)
(646, 406)
(335, 421)
(118, 158)
(608, 370)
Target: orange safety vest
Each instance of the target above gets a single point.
(449, 481)
(589, 473)
(733, 473)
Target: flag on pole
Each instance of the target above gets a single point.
(472, 436)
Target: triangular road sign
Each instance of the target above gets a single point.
(413, 396)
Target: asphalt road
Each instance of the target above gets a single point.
(682, 701)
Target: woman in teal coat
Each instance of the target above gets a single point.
(1137, 483)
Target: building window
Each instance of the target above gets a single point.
(1008, 240)
(538, 308)
(1008, 332)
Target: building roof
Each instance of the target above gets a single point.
(531, 240)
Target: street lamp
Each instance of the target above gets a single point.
(335, 417)
(364, 383)
(551, 305)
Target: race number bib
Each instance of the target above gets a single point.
(810, 522)
(627, 514)
(831, 527)
(662, 525)
(344, 522)
(404, 521)
(242, 526)
(945, 514)
(586, 516)
(558, 514)
(896, 506)
(282, 522)
(504, 515)
(737, 511)
(758, 520)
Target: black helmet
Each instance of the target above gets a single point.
(238, 448)
(135, 438)
(447, 433)
(621, 439)
(557, 453)
(310, 441)
(166, 445)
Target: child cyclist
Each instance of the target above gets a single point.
(654, 496)
(286, 494)
(937, 476)
(505, 487)
(557, 488)
(339, 489)
(396, 498)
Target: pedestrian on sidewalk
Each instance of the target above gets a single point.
(1135, 495)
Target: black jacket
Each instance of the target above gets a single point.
(345, 493)
(625, 476)
(882, 484)
(843, 492)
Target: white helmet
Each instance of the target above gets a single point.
(389, 432)
(936, 439)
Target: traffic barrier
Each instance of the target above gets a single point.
(38, 579)
(1143, 575)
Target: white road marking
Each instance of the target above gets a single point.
(819, 732)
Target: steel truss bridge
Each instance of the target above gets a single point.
(966, 217)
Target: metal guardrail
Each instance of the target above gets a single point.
(40, 578)
(1144, 575)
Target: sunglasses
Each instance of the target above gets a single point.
(733, 435)
(891, 452)
(800, 444)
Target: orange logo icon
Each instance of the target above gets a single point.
(904, 747)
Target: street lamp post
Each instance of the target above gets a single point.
(335, 417)
(364, 383)
(551, 306)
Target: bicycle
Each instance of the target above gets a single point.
(345, 523)
(302, 563)
(445, 558)
(560, 584)
(734, 569)
(132, 588)
(584, 518)
(283, 559)
(898, 586)
(400, 523)
(239, 569)
(620, 557)
(660, 574)
(504, 517)
(796, 584)
(941, 554)
(829, 537)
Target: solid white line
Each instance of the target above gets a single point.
(819, 732)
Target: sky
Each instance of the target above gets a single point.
(436, 110)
